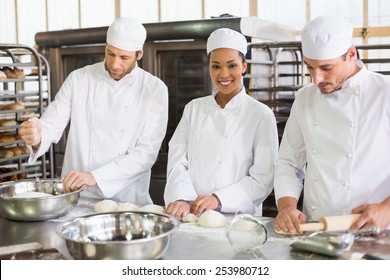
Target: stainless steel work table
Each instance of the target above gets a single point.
(190, 241)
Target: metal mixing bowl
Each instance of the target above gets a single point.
(118, 235)
(39, 208)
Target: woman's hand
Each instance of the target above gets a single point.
(203, 203)
(288, 220)
(178, 209)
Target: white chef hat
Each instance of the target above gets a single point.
(227, 38)
(126, 34)
(326, 37)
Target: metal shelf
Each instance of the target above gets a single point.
(35, 99)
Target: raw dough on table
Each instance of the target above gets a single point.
(126, 206)
(190, 218)
(152, 208)
(106, 205)
(31, 195)
(281, 232)
(212, 219)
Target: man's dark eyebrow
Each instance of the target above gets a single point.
(324, 65)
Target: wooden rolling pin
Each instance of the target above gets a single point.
(331, 223)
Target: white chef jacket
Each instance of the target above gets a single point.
(230, 152)
(340, 144)
(116, 129)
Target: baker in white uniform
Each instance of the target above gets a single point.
(337, 137)
(222, 153)
(118, 117)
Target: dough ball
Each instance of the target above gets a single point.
(126, 206)
(190, 218)
(31, 195)
(106, 205)
(212, 219)
(153, 208)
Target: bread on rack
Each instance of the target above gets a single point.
(16, 150)
(13, 73)
(9, 72)
(19, 74)
(25, 149)
(6, 153)
(19, 176)
(7, 138)
(12, 106)
(8, 123)
(2, 75)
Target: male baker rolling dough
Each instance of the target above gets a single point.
(337, 137)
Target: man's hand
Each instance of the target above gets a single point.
(373, 215)
(203, 203)
(178, 208)
(31, 131)
(289, 217)
(75, 180)
(288, 220)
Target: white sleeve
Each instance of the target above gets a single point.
(179, 184)
(55, 118)
(291, 164)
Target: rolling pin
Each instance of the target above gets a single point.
(331, 223)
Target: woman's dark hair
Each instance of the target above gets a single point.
(240, 53)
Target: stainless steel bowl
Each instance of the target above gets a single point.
(39, 208)
(118, 235)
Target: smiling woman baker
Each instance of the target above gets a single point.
(222, 153)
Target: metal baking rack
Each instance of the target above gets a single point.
(33, 92)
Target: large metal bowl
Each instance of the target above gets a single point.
(39, 208)
(118, 235)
